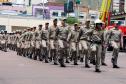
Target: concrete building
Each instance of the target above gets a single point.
(50, 10)
(4, 0)
(119, 6)
(12, 23)
(115, 5)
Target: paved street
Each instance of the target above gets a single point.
(19, 70)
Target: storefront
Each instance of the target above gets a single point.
(49, 11)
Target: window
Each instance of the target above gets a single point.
(81, 17)
(93, 17)
(55, 13)
(63, 14)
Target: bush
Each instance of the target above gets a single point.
(71, 20)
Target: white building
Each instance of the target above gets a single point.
(116, 5)
(125, 6)
(12, 23)
(31, 2)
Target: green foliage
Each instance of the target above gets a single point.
(71, 20)
(77, 1)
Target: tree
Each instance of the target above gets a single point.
(71, 20)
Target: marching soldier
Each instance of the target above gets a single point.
(1, 40)
(53, 45)
(106, 34)
(5, 39)
(28, 44)
(74, 43)
(13, 41)
(32, 43)
(32, 50)
(38, 43)
(35, 46)
(115, 39)
(61, 34)
(17, 42)
(9, 41)
(83, 37)
(97, 41)
(45, 42)
(23, 43)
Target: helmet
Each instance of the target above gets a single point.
(98, 21)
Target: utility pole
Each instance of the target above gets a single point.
(68, 7)
(77, 2)
(43, 9)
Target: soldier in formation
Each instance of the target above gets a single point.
(63, 44)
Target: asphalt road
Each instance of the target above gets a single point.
(19, 70)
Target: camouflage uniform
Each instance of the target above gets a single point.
(53, 42)
(4, 41)
(106, 34)
(84, 37)
(18, 44)
(61, 34)
(1, 40)
(37, 45)
(33, 43)
(115, 39)
(74, 44)
(23, 43)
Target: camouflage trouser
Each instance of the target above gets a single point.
(97, 48)
(28, 48)
(75, 48)
(37, 52)
(116, 47)
(53, 50)
(85, 50)
(32, 49)
(63, 51)
(4, 45)
(44, 50)
(104, 49)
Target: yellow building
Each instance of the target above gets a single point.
(4, 0)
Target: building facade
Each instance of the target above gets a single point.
(4, 0)
(119, 6)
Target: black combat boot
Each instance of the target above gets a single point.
(98, 70)
(81, 59)
(115, 66)
(87, 66)
(94, 62)
(104, 64)
(112, 60)
(75, 58)
(61, 61)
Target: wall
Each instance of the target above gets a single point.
(3, 0)
(10, 21)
